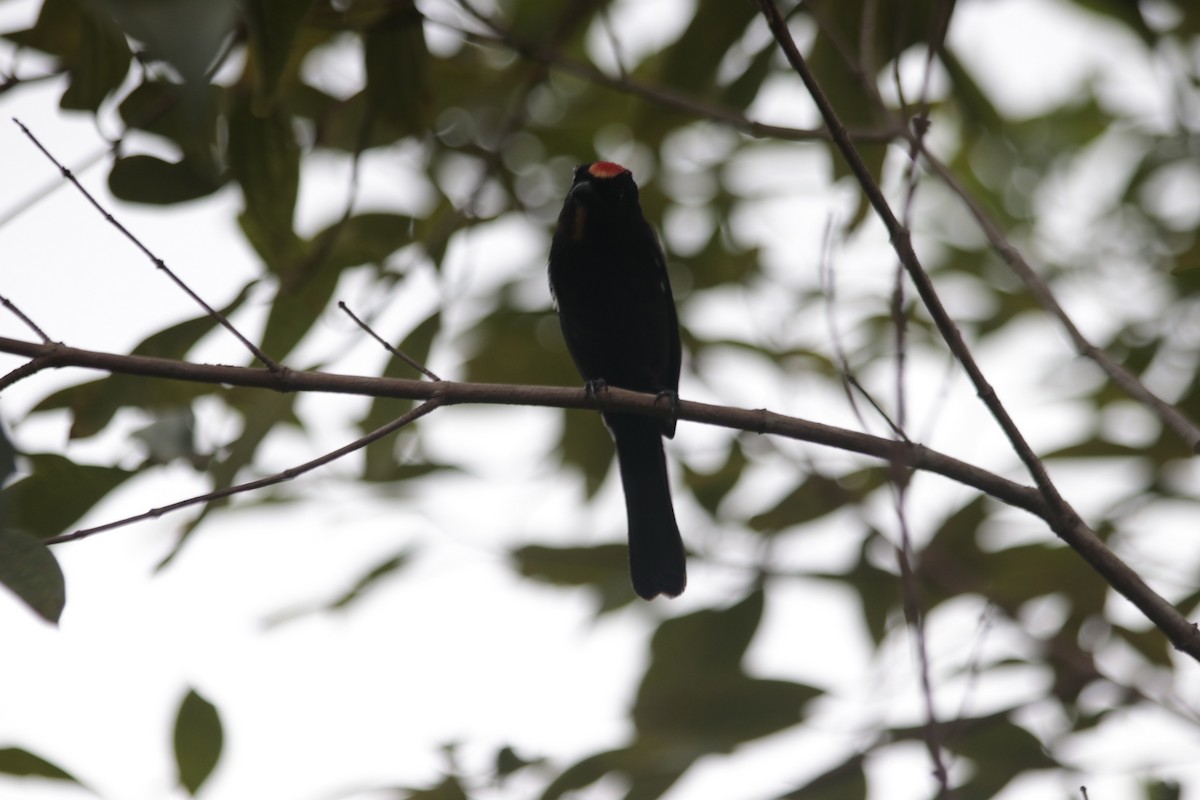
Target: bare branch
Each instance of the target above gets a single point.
(1063, 519)
(22, 316)
(902, 243)
(398, 353)
(660, 96)
(158, 262)
(1182, 633)
(261, 483)
(1169, 415)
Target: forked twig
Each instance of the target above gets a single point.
(158, 262)
(1062, 519)
(1169, 415)
(21, 315)
(397, 352)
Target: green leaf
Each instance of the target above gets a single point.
(148, 179)
(381, 461)
(187, 34)
(695, 693)
(846, 781)
(364, 239)
(690, 65)
(816, 497)
(449, 789)
(31, 572)
(602, 567)
(99, 66)
(711, 488)
(275, 27)
(15, 761)
(188, 117)
(87, 43)
(587, 445)
(264, 158)
(1000, 750)
(57, 493)
(508, 762)
(93, 404)
(397, 66)
(198, 741)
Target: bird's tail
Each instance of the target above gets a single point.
(656, 558)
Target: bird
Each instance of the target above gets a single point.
(609, 282)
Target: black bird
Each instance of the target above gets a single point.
(608, 277)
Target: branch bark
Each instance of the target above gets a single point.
(1182, 633)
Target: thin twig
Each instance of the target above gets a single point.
(915, 616)
(11, 306)
(158, 262)
(850, 383)
(901, 479)
(1169, 415)
(1182, 633)
(902, 242)
(249, 486)
(1063, 519)
(661, 97)
(397, 352)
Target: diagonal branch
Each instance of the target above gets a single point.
(1169, 415)
(1063, 519)
(158, 262)
(902, 243)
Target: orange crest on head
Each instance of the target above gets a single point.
(606, 169)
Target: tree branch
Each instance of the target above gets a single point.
(1182, 633)
(1062, 518)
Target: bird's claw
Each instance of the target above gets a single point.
(672, 398)
(594, 387)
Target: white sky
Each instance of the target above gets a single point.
(456, 648)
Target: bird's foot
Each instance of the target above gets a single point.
(672, 398)
(594, 387)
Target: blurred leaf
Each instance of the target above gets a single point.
(15, 761)
(508, 762)
(604, 568)
(274, 27)
(846, 781)
(93, 404)
(364, 239)
(1162, 790)
(999, 750)
(815, 497)
(185, 33)
(198, 741)
(711, 488)
(690, 65)
(588, 446)
(170, 436)
(57, 493)
(148, 179)
(877, 589)
(29, 570)
(365, 583)
(264, 157)
(449, 789)
(159, 107)
(381, 462)
(1150, 643)
(695, 693)
(87, 43)
(397, 66)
